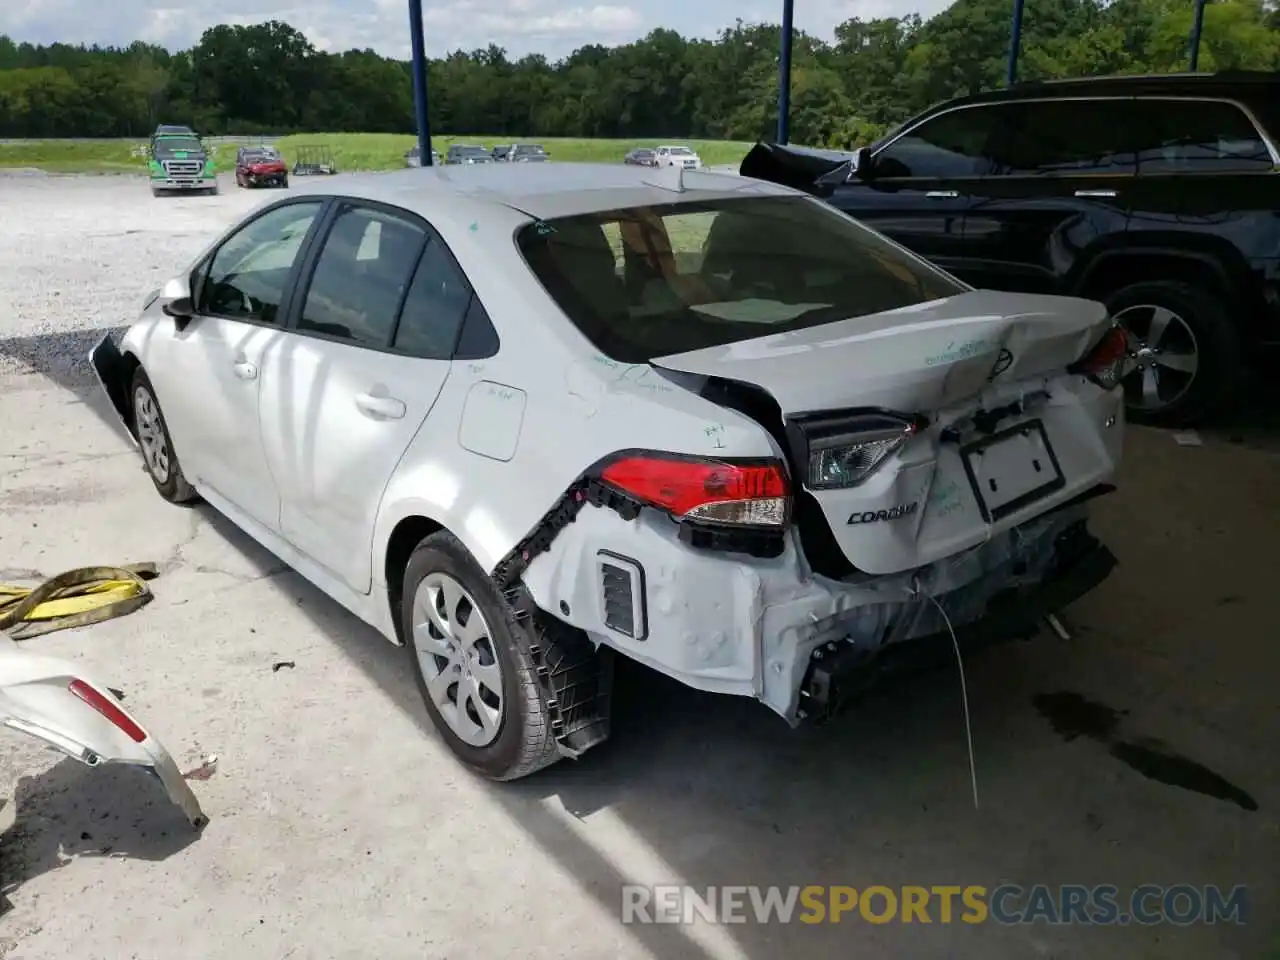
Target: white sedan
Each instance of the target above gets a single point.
(523, 419)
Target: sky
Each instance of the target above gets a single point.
(550, 27)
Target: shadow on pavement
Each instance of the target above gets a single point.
(72, 810)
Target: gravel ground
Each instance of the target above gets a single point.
(110, 242)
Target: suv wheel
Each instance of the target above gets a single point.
(1184, 354)
(473, 663)
(156, 445)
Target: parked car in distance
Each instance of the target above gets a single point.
(413, 156)
(716, 426)
(528, 153)
(641, 157)
(678, 156)
(1155, 195)
(261, 166)
(500, 152)
(468, 153)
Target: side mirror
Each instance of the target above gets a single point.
(862, 163)
(175, 301)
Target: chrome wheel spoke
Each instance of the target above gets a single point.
(1150, 387)
(1160, 319)
(1181, 362)
(489, 675)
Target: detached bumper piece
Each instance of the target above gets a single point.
(840, 673)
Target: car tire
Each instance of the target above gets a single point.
(1193, 325)
(155, 443)
(519, 740)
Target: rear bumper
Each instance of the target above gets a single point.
(839, 674)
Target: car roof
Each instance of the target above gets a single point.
(1168, 84)
(543, 191)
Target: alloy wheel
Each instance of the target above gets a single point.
(459, 662)
(155, 449)
(1163, 356)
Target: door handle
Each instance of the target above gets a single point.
(380, 408)
(941, 194)
(1095, 193)
(245, 370)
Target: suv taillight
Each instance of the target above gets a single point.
(736, 493)
(1105, 363)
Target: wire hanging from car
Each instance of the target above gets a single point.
(964, 697)
(964, 690)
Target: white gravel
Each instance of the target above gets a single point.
(80, 253)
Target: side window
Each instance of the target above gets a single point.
(1066, 137)
(949, 145)
(249, 273)
(361, 275)
(435, 307)
(1199, 136)
(478, 340)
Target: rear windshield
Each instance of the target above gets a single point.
(644, 282)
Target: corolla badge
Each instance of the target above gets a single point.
(879, 516)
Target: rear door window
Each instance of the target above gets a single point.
(362, 276)
(1064, 138)
(950, 145)
(1199, 136)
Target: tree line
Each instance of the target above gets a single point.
(268, 78)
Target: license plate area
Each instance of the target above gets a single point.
(1012, 469)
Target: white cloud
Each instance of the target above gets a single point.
(551, 27)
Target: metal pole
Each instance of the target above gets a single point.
(1196, 27)
(420, 81)
(784, 73)
(1015, 40)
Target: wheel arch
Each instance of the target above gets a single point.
(408, 532)
(1209, 262)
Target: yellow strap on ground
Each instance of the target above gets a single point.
(76, 598)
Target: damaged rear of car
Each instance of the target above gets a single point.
(932, 449)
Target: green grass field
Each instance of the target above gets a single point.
(351, 151)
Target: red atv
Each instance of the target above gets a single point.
(261, 167)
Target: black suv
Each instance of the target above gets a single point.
(1159, 196)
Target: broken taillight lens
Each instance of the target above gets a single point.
(844, 452)
(104, 706)
(1105, 363)
(752, 493)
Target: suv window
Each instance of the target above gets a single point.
(1071, 137)
(949, 145)
(435, 306)
(1199, 136)
(649, 281)
(361, 275)
(248, 274)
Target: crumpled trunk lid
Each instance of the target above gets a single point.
(916, 359)
(937, 363)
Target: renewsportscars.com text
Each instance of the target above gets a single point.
(1067, 904)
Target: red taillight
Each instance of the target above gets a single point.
(1105, 363)
(108, 709)
(714, 491)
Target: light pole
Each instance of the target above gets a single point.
(420, 81)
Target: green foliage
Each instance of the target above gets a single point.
(268, 78)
